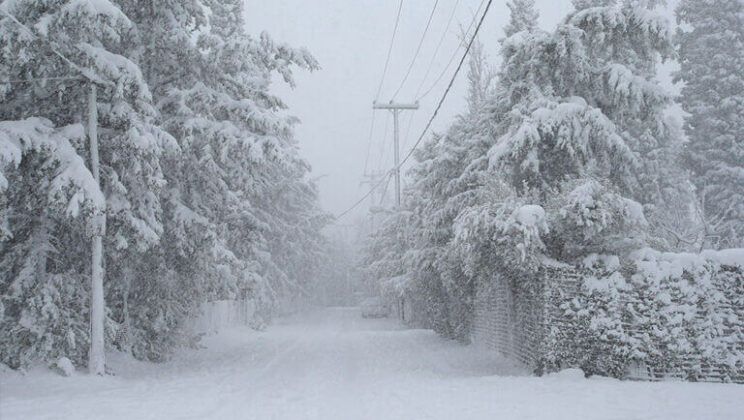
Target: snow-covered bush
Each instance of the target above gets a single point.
(64, 366)
(513, 232)
(591, 218)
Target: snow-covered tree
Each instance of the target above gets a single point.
(561, 157)
(711, 56)
(523, 17)
(44, 185)
(581, 103)
(205, 194)
(51, 43)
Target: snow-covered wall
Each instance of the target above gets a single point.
(652, 316)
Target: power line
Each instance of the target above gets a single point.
(41, 79)
(439, 45)
(390, 50)
(369, 141)
(449, 63)
(418, 49)
(364, 197)
(433, 116)
(449, 86)
(382, 82)
(384, 190)
(408, 131)
(382, 155)
(454, 54)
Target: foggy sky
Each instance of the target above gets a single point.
(350, 39)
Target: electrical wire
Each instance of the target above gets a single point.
(408, 131)
(418, 49)
(390, 50)
(381, 159)
(41, 79)
(431, 119)
(382, 82)
(449, 63)
(389, 176)
(362, 199)
(454, 54)
(439, 46)
(449, 86)
(369, 141)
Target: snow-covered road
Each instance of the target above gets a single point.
(332, 364)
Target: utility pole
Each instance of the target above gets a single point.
(373, 179)
(97, 227)
(395, 108)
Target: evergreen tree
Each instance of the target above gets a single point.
(579, 105)
(560, 158)
(523, 17)
(44, 186)
(205, 194)
(48, 44)
(412, 255)
(711, 55)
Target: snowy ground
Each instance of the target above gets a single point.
(333, 364)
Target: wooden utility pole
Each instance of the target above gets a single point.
(97, 225)
(96, 230)
(373, 180)
(395, 108)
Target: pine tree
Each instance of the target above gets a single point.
(579, 105)
(711, 55)
(524, 17)
(205, 194)
(44, 185)
(49, 43)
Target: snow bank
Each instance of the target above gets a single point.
(572, 374)
(64, 366)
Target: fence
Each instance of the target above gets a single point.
(656, 317)
(508, 319)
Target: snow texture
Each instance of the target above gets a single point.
(335, 365)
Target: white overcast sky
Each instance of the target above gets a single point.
(350, 39)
